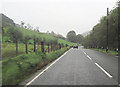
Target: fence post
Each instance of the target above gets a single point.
(51, 47)
(59, 46)
(42, 47)
(26, 47)
(34, 45)
(55, 46)
(62, 45)
(66, 45)
(48, 47)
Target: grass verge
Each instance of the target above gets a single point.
(14, 70)
(110, 52)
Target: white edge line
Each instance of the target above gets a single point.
(103, 70)
(46, 69)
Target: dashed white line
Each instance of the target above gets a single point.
(45, 69)
(84, 53)
(103, 70)
(99, 66)
(89, 57)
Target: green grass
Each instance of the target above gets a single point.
(65, 42)
(32, 33)
(17, 68)
(9, 49)
(104, 51)
(43, 36)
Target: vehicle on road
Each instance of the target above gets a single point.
(75, 46)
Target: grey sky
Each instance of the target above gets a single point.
(59, 16)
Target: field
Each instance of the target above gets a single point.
(9, 49)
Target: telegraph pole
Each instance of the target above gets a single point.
(107, 29)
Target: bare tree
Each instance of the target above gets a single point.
(22, 24)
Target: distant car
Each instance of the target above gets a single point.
(75, 46)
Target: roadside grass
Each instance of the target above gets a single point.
(15, 69)
(119, 53)
(114, 53)
(9, 49)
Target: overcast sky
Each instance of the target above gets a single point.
(59, 16)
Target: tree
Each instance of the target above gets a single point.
(34, 39)
(22, 24)
(98, 36)
(52, 33)
(71, 36)
(15, 36)
(118, 3)
(79, 38)
(28, 26)
(37, 29)
(26, 39)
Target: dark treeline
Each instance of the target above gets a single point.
(72, 37)
(98, 36)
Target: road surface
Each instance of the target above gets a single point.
(78, 67)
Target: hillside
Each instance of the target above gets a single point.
(24, 51)
(7, 23)
(6, 20)
(34, 39)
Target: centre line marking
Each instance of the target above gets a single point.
(103, 70)
(84, 53)
(89, 57)
(46, 69)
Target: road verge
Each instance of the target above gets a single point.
(16, 69)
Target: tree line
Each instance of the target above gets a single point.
(72, 37)
(17, 37)
(98, 36)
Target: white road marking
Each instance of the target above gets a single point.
(103, 70)
(45, 69)
(89, 57)
(99, 66)
(84, 53)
